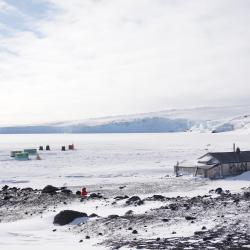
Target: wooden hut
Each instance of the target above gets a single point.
(216, 165)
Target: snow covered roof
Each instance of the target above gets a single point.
(196, 164)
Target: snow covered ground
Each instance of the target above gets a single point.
(106, 160)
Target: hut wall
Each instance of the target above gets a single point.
(186, 170)
(200, 172)
(232, 169)
(214, 173)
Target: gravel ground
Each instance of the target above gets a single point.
(228, 216)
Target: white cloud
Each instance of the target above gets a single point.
(124, 56)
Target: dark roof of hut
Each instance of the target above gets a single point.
(231, 157)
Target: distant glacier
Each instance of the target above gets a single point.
(205, 119)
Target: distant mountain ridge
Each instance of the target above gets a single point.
(204, 119)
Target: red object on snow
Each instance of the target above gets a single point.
(84, 193)
(71, 147)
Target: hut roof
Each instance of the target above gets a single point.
(231, 157)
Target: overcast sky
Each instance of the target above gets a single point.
(64, 60)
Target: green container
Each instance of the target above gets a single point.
(30, 151)
(24, 156)
(13, 153)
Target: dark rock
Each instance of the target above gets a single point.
(67, 216)
(236, 200)
(5, 187)
(87, 237)
(134, 232)
(14, 189)
(203, 228)
(122, 187)
(54, 230)
(134, 200)
(190, 218)
(130, 228)
(28, 189)
(199, 232)
(219, 190)
(113, 216)
(165, 220)
(129, 212)
(80, 241)
(173, 207)
(93, 215)
(95, 196)
(49, 189)
(7, 197)
(246, 195)
(158, 197)
(66, 191)
(118, 198)
(207, 238)
(78, 192)
(100, 234)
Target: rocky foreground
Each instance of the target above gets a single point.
(219, 220)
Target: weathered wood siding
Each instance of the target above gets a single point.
(213, 173)
(232, 169)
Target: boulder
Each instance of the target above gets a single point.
(118, 198)
(66, 191)
(134, 200)
(173, 206)
(95, 196)
(113, 216)
(129, 212)
(190, 218)
(156, 197)
(49, 189)
(199, 232)
(93, 215)
(219, 190)
(67, 216)
(7, 197)
(165, 220)
(28, 189)
(5, 187)
(246, 195)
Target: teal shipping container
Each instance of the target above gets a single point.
(30, 151)
(24, 156)
(13, 153)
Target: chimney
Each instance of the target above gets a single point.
(234, 147)
(238, 150)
